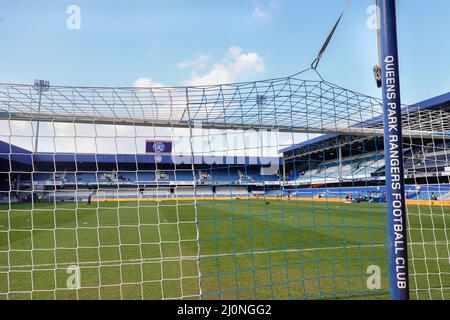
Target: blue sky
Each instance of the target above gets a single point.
(177, 42)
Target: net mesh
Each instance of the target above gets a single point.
(271, 190)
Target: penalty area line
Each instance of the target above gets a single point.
(183, 258)
(111, 263)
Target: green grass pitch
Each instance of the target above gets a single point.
(249, 249)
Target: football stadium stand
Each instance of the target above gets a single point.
(329, 161)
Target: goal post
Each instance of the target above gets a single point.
(393, 146)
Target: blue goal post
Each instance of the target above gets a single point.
(393, 145)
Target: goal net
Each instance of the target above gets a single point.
(262, 190)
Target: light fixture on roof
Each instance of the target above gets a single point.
(41, 85)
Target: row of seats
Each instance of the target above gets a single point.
(86, 178)
(430, 192)
(360, 167)
(432, 157)
(424, 192)
(184, 192)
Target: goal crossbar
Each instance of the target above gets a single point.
(60, 118)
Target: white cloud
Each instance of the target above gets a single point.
(264, 10)
(234, 67)
(259, 14)
(146, 83)
(199, 61)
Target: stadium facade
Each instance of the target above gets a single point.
(329, 166)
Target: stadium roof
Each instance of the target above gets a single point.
(10, 148)
(310, 142)
(441, 101)
(436, 102)
(24, 156)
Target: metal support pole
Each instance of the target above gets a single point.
(393, 148)
(36, 142)
(40, 86)
(340, 162)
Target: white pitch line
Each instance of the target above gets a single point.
(289, 251)
(174, 259)
(178, 259)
